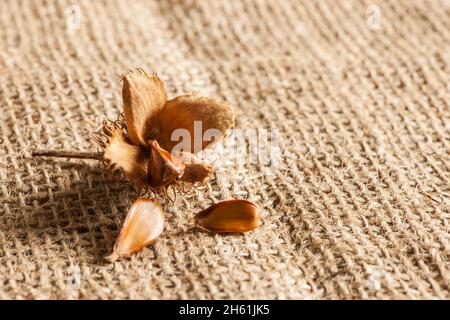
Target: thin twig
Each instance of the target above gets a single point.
(68, 154)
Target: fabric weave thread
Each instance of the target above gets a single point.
(358, 209)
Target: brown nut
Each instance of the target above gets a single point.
(143, 224)
(229, 216)
(163, 167)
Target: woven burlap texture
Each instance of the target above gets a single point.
(359, 91)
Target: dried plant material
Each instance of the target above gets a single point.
(119, 154)
(197, 171)
(140, 143)
(181, 112)
(163, 167)
(145, 221)
(143, 97)
(229, 216)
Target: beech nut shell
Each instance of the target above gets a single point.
(163, 167)
(145, 221)
(229, 216)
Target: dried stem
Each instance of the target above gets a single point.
(68, 154)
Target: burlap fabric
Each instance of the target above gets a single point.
(359, 207)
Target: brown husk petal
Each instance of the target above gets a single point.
(143, 97)
(197, 171)
(182, 111)
(120, 155)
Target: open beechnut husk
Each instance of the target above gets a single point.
(139, 143)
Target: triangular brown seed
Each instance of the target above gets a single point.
(143, 224)
(229, 216)
(163, 168)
